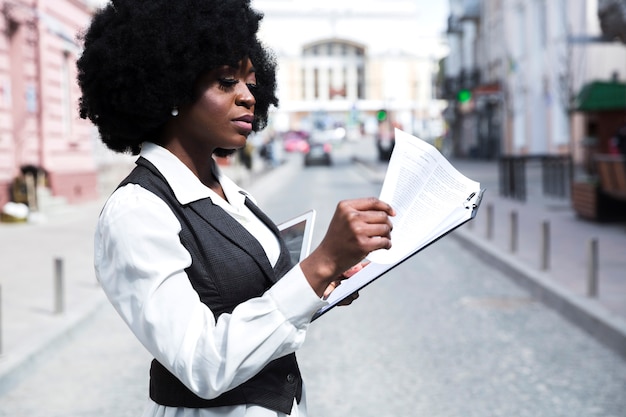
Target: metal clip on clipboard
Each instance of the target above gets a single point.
(474, 199)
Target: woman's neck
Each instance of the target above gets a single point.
(200, 162)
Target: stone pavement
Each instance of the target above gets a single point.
(37, 314)
(557, 269)
(33, 321)
(561, 281)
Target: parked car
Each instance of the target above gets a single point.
(295, 141)
(336, 134)
(318, 153)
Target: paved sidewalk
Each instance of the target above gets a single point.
(30, 327)
(33, 319)
(563, 281)
(563, 285)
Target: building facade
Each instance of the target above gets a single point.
(41, 133)
(340, 63)
(515, 70)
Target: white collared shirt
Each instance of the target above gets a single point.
(141, 264)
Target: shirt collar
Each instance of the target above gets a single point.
(186, 186)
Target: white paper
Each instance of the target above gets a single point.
(426, 191)
(430, 197)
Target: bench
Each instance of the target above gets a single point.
(606, 200)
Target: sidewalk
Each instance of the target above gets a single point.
(30, 328)
(564, 284)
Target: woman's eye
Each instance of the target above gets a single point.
(228, 82)
(251, 86)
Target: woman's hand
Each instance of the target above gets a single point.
(357, 228)
(331, 287)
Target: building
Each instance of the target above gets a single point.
(516, 69)
(41, 133)
(341, 63)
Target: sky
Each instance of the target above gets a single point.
(422, 22)
(413, 26)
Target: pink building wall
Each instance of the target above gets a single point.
(39, 121)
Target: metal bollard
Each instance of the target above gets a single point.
(545, 246)
(592, 276)
(513, 241)
(58, 286)
(489, 221)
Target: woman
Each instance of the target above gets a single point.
(192, 265)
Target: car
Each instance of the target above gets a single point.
(318, 153)
(295, 141)
(336, 134)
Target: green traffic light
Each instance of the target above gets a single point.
(464, 96)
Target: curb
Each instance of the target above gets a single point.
(14, 367)
(584, 313)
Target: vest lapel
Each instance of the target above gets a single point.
(284, 260)
(257, 212)
(228, 227)
(234, 232)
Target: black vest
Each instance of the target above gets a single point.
(228, 267)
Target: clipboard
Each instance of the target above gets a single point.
(374, 271)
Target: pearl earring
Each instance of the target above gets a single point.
(175, 111)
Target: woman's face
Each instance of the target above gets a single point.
(222, 115)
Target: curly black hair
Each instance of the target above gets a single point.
(141, 59)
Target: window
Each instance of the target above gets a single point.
(521, 31)
(542, 23)
(66, 98)
(346, 80)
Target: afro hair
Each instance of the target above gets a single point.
(141, 58)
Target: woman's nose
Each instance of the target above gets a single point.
(245, 96)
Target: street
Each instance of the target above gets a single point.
(442, 335)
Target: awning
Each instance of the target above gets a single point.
(487, 93)
(487, 89)
(602, 96)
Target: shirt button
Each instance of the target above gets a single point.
(291, 378)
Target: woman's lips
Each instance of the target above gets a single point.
(244, 123)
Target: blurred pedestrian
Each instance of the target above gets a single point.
(193, 266)
(245, 155)
(620, 140)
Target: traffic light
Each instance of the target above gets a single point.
(381, 115)
(464, 96)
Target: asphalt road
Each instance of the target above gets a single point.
(443, 335)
